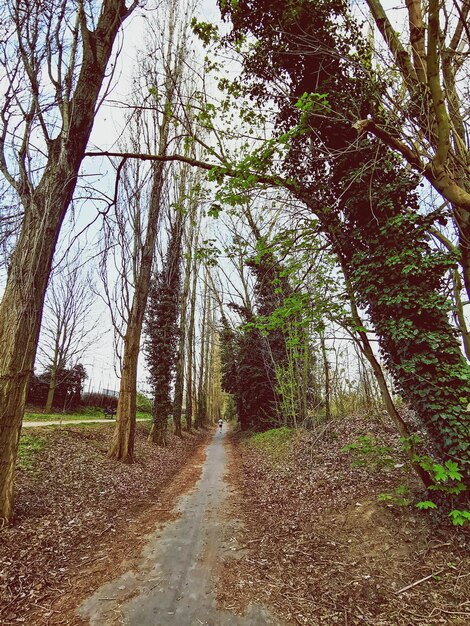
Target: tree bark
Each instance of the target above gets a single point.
(51, 390)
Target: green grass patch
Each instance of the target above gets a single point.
(29, 448)
(274, 443)
(80, 416)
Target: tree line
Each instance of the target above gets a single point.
(312, 162)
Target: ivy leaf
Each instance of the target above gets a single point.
(453, 470)
(440, 473)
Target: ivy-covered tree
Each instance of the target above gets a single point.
(365, 199)
(246, 373)
(162, 334)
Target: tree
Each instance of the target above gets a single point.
(68, 387)
(162, 332)
(364, 199)
(171, 53)
(54, 61)
(67, 331)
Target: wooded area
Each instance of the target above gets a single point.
(279, 230)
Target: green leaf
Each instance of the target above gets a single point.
(426, 504)
(459, 518)
(453, 470)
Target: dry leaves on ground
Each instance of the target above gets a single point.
(320, 548)
(76, 508)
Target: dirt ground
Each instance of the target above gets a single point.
(80, 517)
(318, 547)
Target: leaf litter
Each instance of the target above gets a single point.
(78, 515)
(318, 547)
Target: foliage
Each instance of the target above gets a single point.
(102, 400)
(247, 374)
(368, 452)
(398, 497)
(366, 201)
(162, 330)
(275, 443)
(68, 393)
(143, 404)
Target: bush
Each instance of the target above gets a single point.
(100, 400)
(144, 404)
(275, 443)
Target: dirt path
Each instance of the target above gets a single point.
(174, 582)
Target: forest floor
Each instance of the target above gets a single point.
(78, 514)
(276, 528)
(319, 547)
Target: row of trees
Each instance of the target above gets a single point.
(345, 210)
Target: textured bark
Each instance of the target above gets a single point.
(44, 210)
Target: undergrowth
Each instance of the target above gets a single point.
(274, 443)
(29, 448)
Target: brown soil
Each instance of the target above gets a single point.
(81, 518)
(318, 547)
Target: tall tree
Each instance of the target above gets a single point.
(54, 60)
(162, 330)
(430, 59)
(366, 201)
(164, 81)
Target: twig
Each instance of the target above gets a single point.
(418, 582)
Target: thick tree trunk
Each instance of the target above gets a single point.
(159, 431)
(20, 321)
(122, 445)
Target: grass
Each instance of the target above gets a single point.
(82, 414)
(274, 443)
(30, 446)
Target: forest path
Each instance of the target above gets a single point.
(175, 580)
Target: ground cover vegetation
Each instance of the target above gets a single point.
(332, 536)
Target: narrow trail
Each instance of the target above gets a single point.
(174, 582)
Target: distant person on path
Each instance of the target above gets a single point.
(220, 425)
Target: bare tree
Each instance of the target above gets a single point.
(68, 329)
(163, 80)
(54, 58)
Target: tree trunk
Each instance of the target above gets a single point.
(200, 414)
(51, 390)
(190, 378)
(122, 445)
(460, 314)
(326, 371)
(179, 379)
